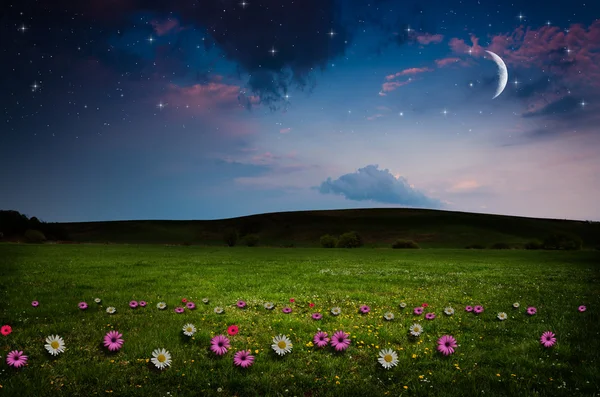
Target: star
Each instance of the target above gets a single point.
(548, 23)
(273, 51)
(35, 86)
(160, 105)
(583, 103)
(470, 84)
(23, 28)
(244, 4)
(445, 112)
(516, 82)
(521, 16)
(150, 39)
(331, 33)
(408, 29)
(401, 114)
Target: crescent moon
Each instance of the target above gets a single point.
(502, 73)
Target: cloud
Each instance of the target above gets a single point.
(203, 97)
(284, 130)
(371, 184)
(444, 62)
(427, 38)
(163, 27)
(464, 186)
(405, 72)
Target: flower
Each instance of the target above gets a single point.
(516, 305)
(55, 344)
(179, 310)
(243, 358)
(389, 316)
(424, 305)
(133, 304)
(388, 358)
(311, 305)
(241, 304)
(336, 311)
(111, 310)
(35, 303)
(364, 309)
(317, 316)
(402, 305)
(449, 311)
(143, 303)
(418, 311)
(161, 358)
(82, 305)
(190, 305)
(113, 340)
(446, 345)
(205, 301)
(184, 300)
(340, 341)
(219, 345)
(189, 329)
(97, 300)
(233, 330)
(5, 330)
(415, 329)
(502, 316)
(16, 358)
(320, 339)
(269, 305)
(218, 310)
(548, 339)
(282, 344)
(478, 309)
(430, 316)
(468, 308)
(287, 310)
(582, 308)
(531, 310)
(292, 300)
(161, 305)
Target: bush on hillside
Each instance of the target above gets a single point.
(328, 241)
(251, 240)
(534, 245)
(404, 244)
(349, 240)
(34, 236)
(475, 246)
(500, 246)
(230, 237)
(562, 241)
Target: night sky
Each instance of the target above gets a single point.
(154, 109)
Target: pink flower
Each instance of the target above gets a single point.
(317, 316)
(478, 309)
(35, 303)
(16, 359)
(364, 309)
(179, 310)
(183, 300)
(311, 305)
(430, 316)
(531, 310)
(243, 358)
(582, 308)
(292, 300)
(241, 304)
(113, 340)
(143, 303)
(133, 304)
(446, 345)
(190, 305)
(340, 341)
(5, 330)
(468, 308)
(548, 339)
(287, 310)
(320, 339)
(83, 305)
(424, 304)
(233, 330)
(418, 311)
(219, 345)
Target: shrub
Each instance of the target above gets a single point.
(562, 241)
(251, 240)
(230, 237)
(500, 246)
(404, 244)
(349, 240)
(475, 246)
(534, 245)
(328, 241)
(34, 236)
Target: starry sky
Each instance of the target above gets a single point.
(208, 109)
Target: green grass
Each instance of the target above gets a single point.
(61, 276)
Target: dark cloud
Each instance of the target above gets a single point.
(371, 183)
(564, 106)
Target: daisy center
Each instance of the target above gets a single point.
(54, 344)
(388, 358)
(281, 344)
(189, 329)
(161, 358)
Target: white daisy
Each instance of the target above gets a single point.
(97, 300)
(111, 310)
(336, 311)
(55, 344)
(161, 305)
(189, 329)
(161, 358)
(502, 316)
(218, 310)
(281, 345)
(449, 311)
(416, 329)
(269, 305)
(402, 305)
(205, 300)
(388, 358)
(388, 316)
(516, 305)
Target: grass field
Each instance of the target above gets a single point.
(493, 357)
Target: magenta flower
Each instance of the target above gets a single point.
(287, 310)
(36, 304)
(418, 311)
(219, 345)
(469, 308)
(478, 309)
(531, 310)
(113, 340)
(241, 304)
(364, 309)
(340, 341)
(190, 305)
(446, 345)
(582, 308)
(133, 304)
(548, 339)
(320, 339)
(83, 305)
(16, 359)
(243, 358)
(143, 303)
(179, 310)
(430, 316)
(317, 316)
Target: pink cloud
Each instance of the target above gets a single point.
(444, 62)
(429, 38)
(285, 130)
(392, 85)
(375, 116)
(265, 158)
(199, 97)
(406, 72)
(164, 27)
(460, 47)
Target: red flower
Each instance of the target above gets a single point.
(311, 304)
(5, 330)
(292, 300)
(233, 329)
(184, 300)
(424, 305)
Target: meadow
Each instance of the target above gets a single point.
(493, 357)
